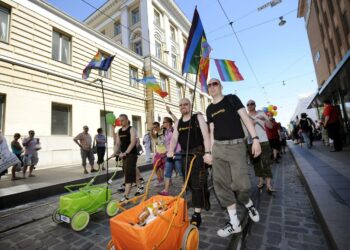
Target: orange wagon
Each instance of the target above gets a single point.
(169, 230)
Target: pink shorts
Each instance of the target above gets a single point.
(161, 163)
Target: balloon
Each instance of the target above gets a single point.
(275, 112)
(117, 122)
(269, 113)
(274, 107)
(265, 109)
(270, 108)
(110, 118)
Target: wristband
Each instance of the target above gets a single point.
(207, 152)
(255, 137)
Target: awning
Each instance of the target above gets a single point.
(337, 83)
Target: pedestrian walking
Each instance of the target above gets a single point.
(262, 163)
(31, 148)
(171, 164)
(305, 124)
(194, 128)
(332, 124)
(229, 154)
(17, 149)
(158, 138)
(84, 141)
(126, 148)
(100, 144)
(273, 135)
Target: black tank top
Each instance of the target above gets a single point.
(196, 137)
(125, 140)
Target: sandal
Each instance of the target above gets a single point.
(270, 190)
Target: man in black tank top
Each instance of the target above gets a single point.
(126, 146)
(199, 144)
(230, 167)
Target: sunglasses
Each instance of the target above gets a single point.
(184, 104)
(250, 104)
(213, 84)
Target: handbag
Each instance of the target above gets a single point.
(94, 149)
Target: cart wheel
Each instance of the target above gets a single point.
(110, 245)
(112, 208)
(80, 220)
(190, 239)
(56, 217)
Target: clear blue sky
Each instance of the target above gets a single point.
(276, 53)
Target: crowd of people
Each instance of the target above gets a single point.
(232, 135)
(328, 129)
(27, 154)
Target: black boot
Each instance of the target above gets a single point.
(196, 219)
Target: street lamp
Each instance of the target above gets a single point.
(282, 21)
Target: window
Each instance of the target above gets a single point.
(103, 123)
(103, 73)
(179, 90)
(2, 111)
(61, 119)
(4, 24)
(184, 40)
(194, 104)
(317, 56)
(135, 16)
(158, 50)
(138, 47)
(133, 76)
(331, 46)
(157, 18)
(326, 23)
(174, 61)
(330, 7)
(346, 23)
(173, 33)
(117, 28)
(164, 83)
(337, 38)
(203, 103)
(61, 47)
(136, 123)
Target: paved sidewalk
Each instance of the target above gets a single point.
(51, 181)
(327, 178)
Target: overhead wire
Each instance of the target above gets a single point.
(243, 51)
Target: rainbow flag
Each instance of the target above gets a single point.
(204, 64)
(228, 70)
(97, 62)
(151, 83)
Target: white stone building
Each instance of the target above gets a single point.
(43, 52)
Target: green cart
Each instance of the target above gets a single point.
(76, 207)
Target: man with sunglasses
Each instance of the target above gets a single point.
(262, 163)
(194, 128)
(229, 154)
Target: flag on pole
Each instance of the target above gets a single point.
(228, 70)
(97, 62)
(151, 83)
(192, 53)
(204, 64)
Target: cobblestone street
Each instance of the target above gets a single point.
(287, 221)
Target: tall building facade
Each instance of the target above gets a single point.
(328, 27)
(43, 52)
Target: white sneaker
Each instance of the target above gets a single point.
(253, 213)
(124, 198)
(229, 229)
(140, 190)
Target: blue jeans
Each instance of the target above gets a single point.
(306, 136)
(170, 164)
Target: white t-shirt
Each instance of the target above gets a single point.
(259, 126)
